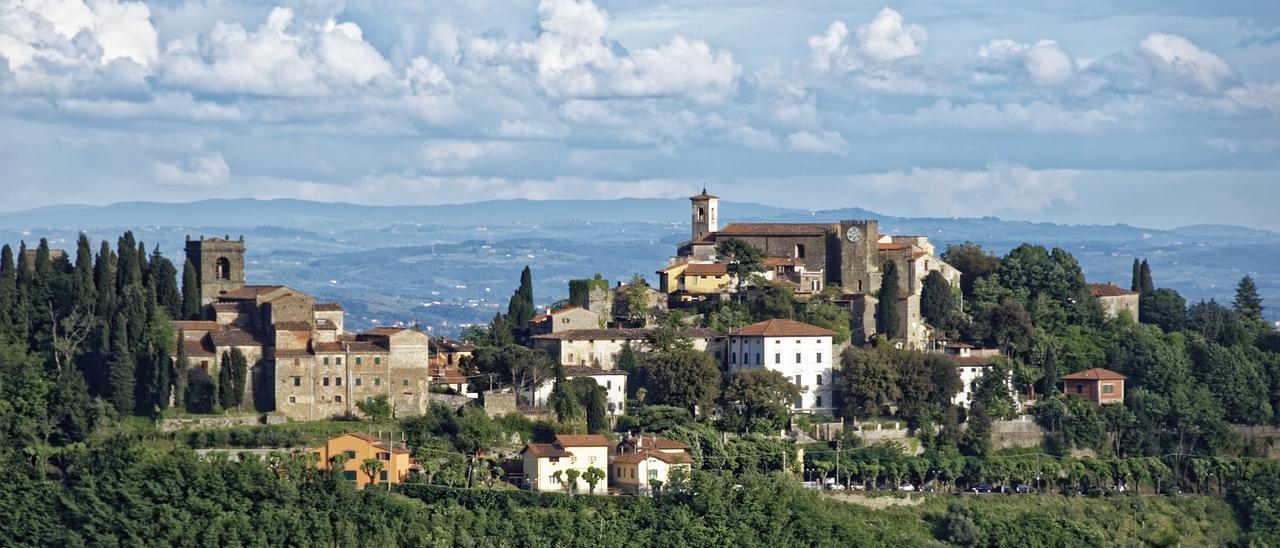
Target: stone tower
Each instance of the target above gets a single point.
(859, 272)
(219, 265)
(705, 210)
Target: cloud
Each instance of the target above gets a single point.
(752, 138)
(999, 189)
(1037, 116)
(1044, 61)
(61, 45)
(818, 142)
(456, 154)
(1258, 96)
(1179, 58)
(574, 59)
(198, 172)
(884, 39)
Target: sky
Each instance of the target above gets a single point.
(1157, 113)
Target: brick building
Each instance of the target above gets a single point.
(1098, 385)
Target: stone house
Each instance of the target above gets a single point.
(1115, 299)
(564, 319)
(601, 347)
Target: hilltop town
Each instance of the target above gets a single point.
(834, 355)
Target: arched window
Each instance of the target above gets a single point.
(701, 213)
(223, 269)
(799, 252)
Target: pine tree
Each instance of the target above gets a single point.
(1135, 284)
(86, 292)
(1247, 302)
(190, 292)
(122, 371)
(226, 385)
(1144, 275)
(887, 313)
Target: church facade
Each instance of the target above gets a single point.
(850, 254)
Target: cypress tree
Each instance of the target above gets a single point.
(181, 366)
(143, 267)
(86, 293)
(163, 277)
(1146, 286)
(239, 377)
(104, 277)
(1247, 302)
(122, 370)
(937, 302)
(129, 268)
(520, 307)
(190, 292)
(226, 383)
(8, 290)
(1135, 284)
(44, 266)
(22, 295)
(887, 313)
(25, 268)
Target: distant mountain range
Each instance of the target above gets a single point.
(453, 264)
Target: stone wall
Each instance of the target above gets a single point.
(497, 404)
(1021, 432)
(213, 422)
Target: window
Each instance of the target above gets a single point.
(554, 460)
(818, 402)
(797, 357)
(293, 399)
(204, 365)
(608, 385)
(1079, 388)
(733, 358)
(653, 474)
(1108, 389)
(349, 475)
(777, 357)
(382, 475)
(359, 361)
(378, 361)
(758, 360)
(297, 381)
(337, 360)
(359, 381)
(337, 381)
(799, 403)
(383, 455)
(819, 357)
(717, 355)
(797, 381)
(368, 399)
(612, 407)
(325, 381)
(404, 382)
(326, 360)
(377, 381)
(349, 454)
(297, 362)
(337, 399)
(223, 267)
(819, 383)
(799, 251)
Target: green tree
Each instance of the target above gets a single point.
(181, 370)
(887, 308)
(682, 377)
(1145, 284)
(190, 292)
(759, 394)
(163, 278)
(937, 302)
(627, 359)
(86, 293)
(121, 369)
(24, 392)
(869, 382)
(226, 383)
(1135, 285)
(1248, 303)
(562, 400)
(371, 467)
(593, 401)
(637, 296)
(1165, 308)
(520, 308)
(593, 476)
(745, 260)
(973, 263)
(377, 409)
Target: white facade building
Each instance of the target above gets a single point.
(614, 383)
(801, 352)
(601, 347)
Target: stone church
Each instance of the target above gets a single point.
(808, 257)
(303, 362)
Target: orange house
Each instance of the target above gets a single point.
(1097, 385)
(357, 447)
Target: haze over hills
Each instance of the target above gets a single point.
(447, 265)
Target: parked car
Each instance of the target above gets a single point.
(1022, 488)
(906, 487)
(835, 486)
(859, 487)
(981, 488)
(812, 485)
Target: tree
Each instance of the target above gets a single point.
(1248, 303)
(926, 384)
(973, 263)
(1145, 285)
(226, 383)
(637, 295)
(760, 394)
(190, 292)
(744, 259)
(86, 293)
(162, 277)
(887, 312)
(122, 369)
(1009, 325)
(371, 467)
(520, 307)
(593, 476)
(1135, 284)
(627, 359)
(181, 368)
(682, 377)
(869, 382)
(1165, 308)
(377, 409)
(937, 302)
(562, 400)
(593, 400)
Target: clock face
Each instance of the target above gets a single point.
(853, 235)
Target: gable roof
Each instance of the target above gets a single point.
(327, 307)
(629, 333)
(669, 458)
(706, 269)
(589, 371)
(1108, 290)
(196, 325)
(545, 450)
(292, 326)
(774, 229)
(782, 328)
(1095, 374)
(588, 440)
(232, 336)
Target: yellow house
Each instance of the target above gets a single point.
(359, 446)
(640, 460)
(546, 464)
(695, 278)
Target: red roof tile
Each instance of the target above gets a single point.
(327, 307)
(589, 440)
(233, 337)
(782, 328)
(292, 326)
(774, 229)
(546, 450)
(707, 269)
(196, 325)
(1095, 374)
(1108, 290)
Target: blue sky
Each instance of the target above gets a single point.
(1155, 113)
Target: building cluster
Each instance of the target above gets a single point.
(635, 465)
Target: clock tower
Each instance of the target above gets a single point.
(705, 213)
(859, 272)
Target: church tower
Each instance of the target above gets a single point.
(219, 265)
(705, 213)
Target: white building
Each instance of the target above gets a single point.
(546, 464)
(601, 347)
(614, 383)
(801, 352)
(971, 364)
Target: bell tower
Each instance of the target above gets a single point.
(705, 214)
(219, 265)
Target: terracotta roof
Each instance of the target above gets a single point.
(386, 331)
(1095, 374)
(248, 292)
(650, 441)
(918, 255)
(782, 261)
(707, 269)
(641, 456)
(327, 347)
(774, 229)
(448, 375)
(327, 307)
(587, 371)
(377, 442)
(782, 328)
(196, 325)
(589, 440)
(226, 307)
(198, 349)
(233, 337)
(292, 326)
(631, 334)
(293, 353)
(893, 247)
(1108, 290)
(671, 267)
(440, 344)
(326, 325)
(959, 345)
(563, 310)
(971, 361)
(363, 346)
(703, 196)
(546, 450)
